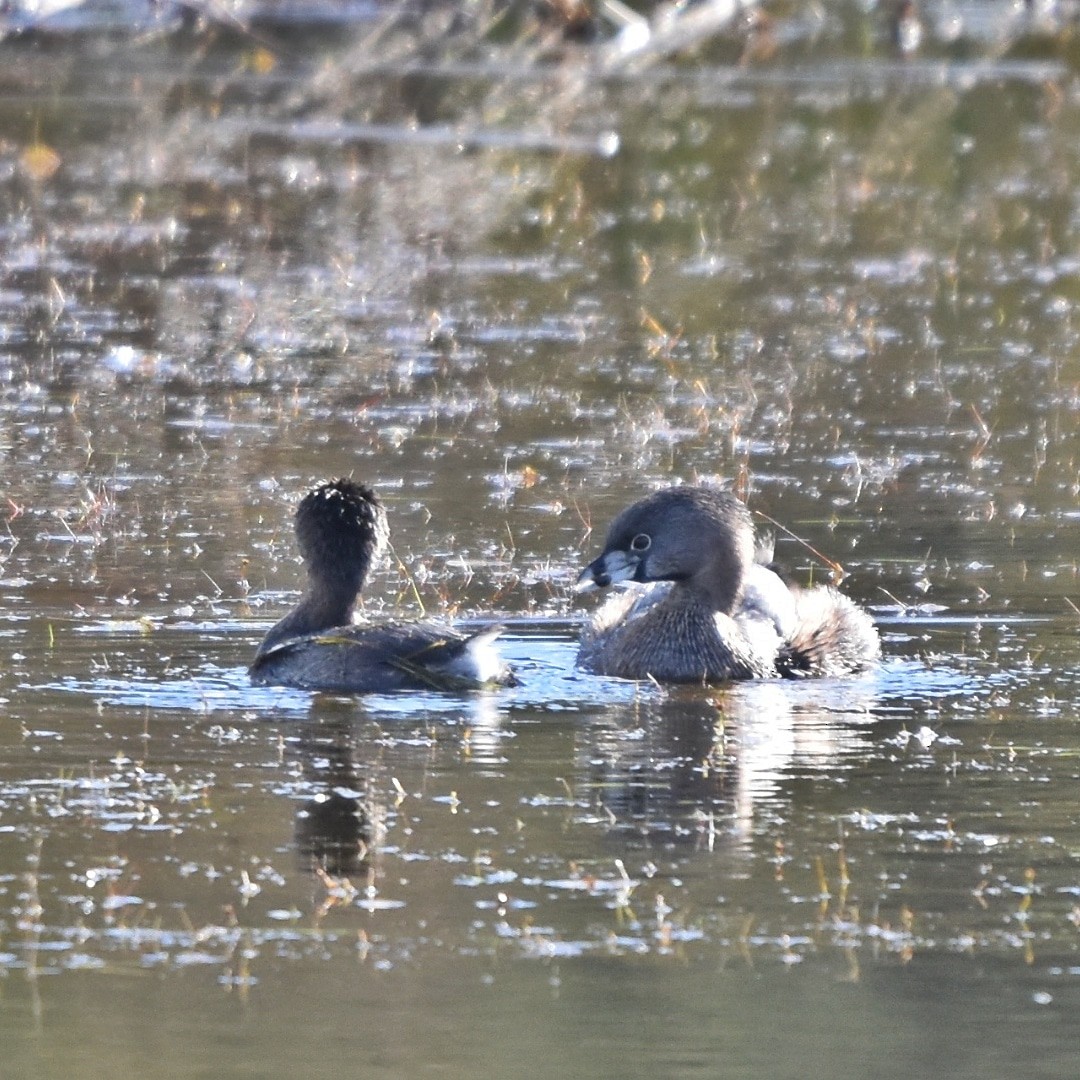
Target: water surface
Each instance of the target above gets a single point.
(840, 281)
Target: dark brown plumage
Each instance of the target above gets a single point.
(708, 610)
(341, 530)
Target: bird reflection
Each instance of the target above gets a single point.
(335, 828)
(341, 825)
(331, 835)
(699, 768)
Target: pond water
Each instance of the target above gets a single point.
(516, 296)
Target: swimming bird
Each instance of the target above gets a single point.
(341, 531)
(707, 607)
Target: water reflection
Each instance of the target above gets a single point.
(701, 767)
(569, 819)
(338, 826)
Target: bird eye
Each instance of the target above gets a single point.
(641, 542)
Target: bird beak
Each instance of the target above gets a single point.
(610, 567)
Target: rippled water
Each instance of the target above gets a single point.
(841, 281)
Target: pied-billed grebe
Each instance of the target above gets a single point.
(710, 611)
(341, 531)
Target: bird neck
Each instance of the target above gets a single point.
(327, 602)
